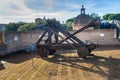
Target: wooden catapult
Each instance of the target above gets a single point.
(69, 41)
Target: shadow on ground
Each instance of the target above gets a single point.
(21, 56)
(108, 47)
(112, 64)
(18, 57)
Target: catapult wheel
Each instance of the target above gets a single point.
(83, 52)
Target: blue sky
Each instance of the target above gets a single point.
(28, 10)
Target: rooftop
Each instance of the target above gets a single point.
(81, 20)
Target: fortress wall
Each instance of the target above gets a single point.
(27, 38)
(24, 40)
(94, 36)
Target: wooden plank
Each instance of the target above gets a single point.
(49, 38)
(61, 46)
(60, 36)
(71, 36)
(41, 37)
(80, 30)
(56, 37)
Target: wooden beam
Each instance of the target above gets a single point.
(46, 41)
(60, 46)
(80, 30)
(71, 36)
(42, 35)
(56, 37)
(60, 36)
(49, 38)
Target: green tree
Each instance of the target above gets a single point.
(68, 23)
(27, 27)
(71, 19)
(105, 17)
(111, 16)
(37, 20)
(31, 26)
(53, 23)
(94, 15)
(114, 17)
(13, 26)
(40, 20)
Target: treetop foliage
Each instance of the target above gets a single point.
(22, 26)
(111, 16)
(13, 26)
(27, 27)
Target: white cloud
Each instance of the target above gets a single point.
(17, 10)
(10, 14)
(9, 11)
(23, 13)
(62, 16)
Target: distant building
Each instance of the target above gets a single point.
(81, 20)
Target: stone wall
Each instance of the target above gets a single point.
(16, 41)
(108, 36)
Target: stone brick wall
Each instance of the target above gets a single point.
(27, 38)
(77, 27)
(94, 36)
(24, 40)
